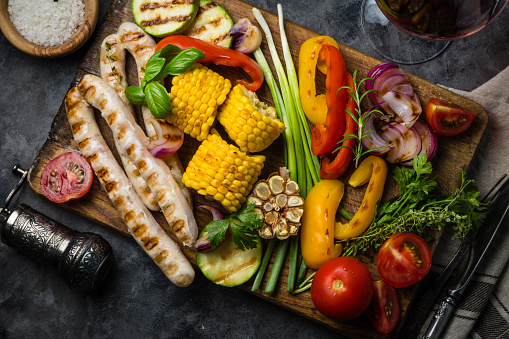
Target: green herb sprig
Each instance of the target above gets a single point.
(243, 225)
(420, 207)
(170, 60)
(119, 78)
(360, 120)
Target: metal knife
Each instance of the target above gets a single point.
(495, 217)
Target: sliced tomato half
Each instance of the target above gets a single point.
(403, 259)
(383, 312)
(66, 177)
(447, 118)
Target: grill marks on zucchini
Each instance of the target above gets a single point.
(212, 24)
(165, 4)
(160, 21)
(162, 18)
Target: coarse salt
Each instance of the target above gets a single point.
(47, 22)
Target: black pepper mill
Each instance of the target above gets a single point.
(82, 259)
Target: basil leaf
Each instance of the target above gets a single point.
(135, 95)
(168, 52)
(154, 66)
(183, 61)
(158, 100)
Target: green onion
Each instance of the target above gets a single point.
(304, 170)
(263, 265)
(276, 266)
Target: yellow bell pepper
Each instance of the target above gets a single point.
(314, 105)
(317, 228)
(373, 169)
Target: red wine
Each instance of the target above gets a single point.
(441, 19)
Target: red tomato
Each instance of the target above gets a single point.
(383, 312)
(66, 177)
(447, 118)
(403, 259)
(342, 288)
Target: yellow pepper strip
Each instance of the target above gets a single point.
(373, 169)
(314, 105)
(317, 237)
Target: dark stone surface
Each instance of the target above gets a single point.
(137, 300)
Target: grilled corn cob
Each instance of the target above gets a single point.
(222, 172)
(195, 96)
(250, 123)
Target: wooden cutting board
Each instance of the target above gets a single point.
(454, 154)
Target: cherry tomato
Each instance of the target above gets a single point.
(403, 259)
(66, 177)
(447, 118)
(342, 288)
(383, 312)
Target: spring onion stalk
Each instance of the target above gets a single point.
(306, 172)
(292, 268)
(276, 265)
(280, 108)
(311, 159)
(302, 272)
(263, 265)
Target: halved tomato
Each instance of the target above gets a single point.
(383, 312)
(66, 177)
(447, 118)
(403, 259)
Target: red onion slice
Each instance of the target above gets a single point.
(169, 139)
(389, 82)
(373, 140)
(247, 36)
(407, 108)
(216, 215)
(393, 92)
(203, 244)
(407, 142)
(428, 138)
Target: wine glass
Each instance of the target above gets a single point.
(422, 29)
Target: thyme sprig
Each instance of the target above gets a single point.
(420, 207)
(360, 119)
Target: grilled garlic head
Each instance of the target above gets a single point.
(277, 200)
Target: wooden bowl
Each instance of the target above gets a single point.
(76, 41)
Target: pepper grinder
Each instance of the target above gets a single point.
(82, 259)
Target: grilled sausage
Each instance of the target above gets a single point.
(133, 141)
(140, 222)
(112, 65)
(142, 46)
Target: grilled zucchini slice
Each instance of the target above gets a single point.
(212, 24)
(229, 266)
(163, 18)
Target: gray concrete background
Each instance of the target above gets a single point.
(138, 301)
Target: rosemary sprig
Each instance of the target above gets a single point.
(361, 120)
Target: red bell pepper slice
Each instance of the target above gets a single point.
(219, 56)
(336, 168)
(325, 138)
